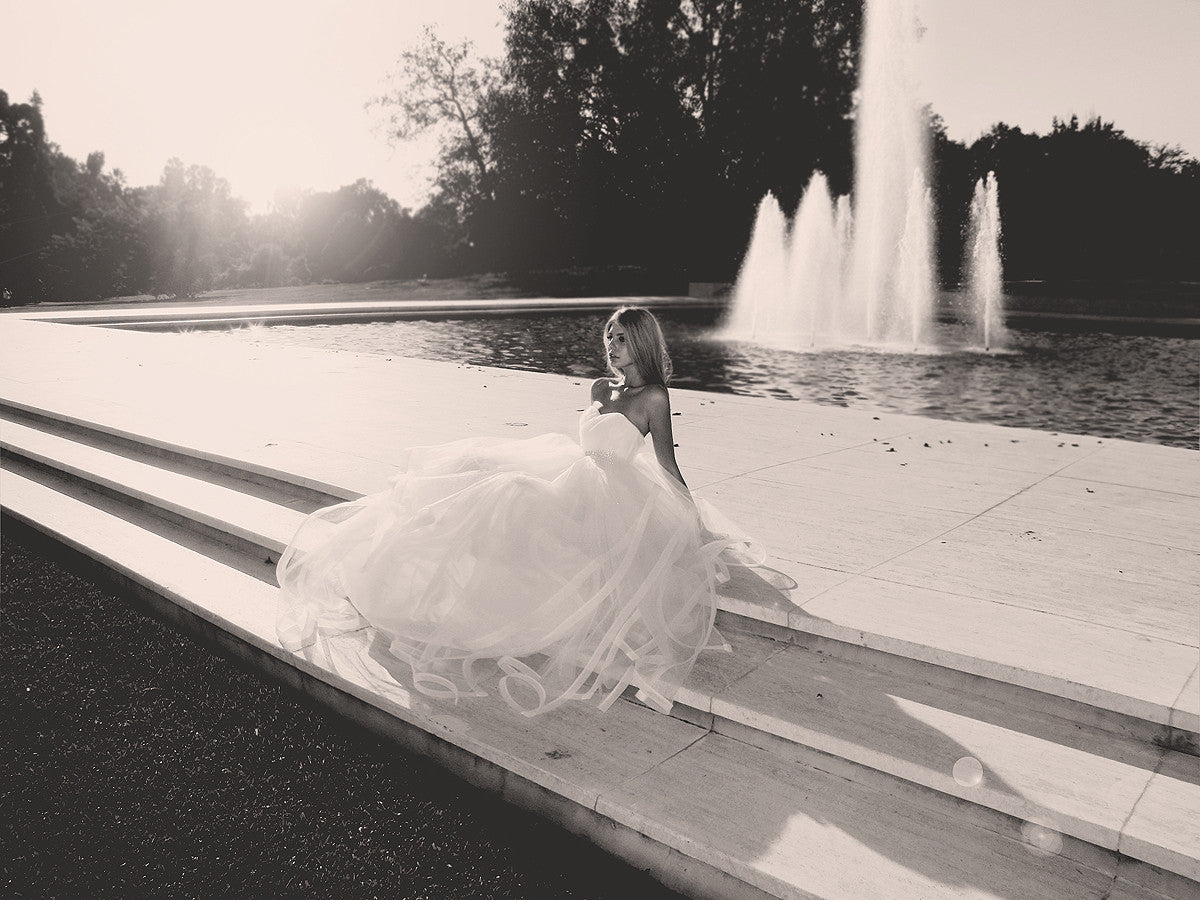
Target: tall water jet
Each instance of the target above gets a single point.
(866, 277)
(845, 321)
(758, 297)
(914, 274)
(814, 261)
(985, 310)
(891, 149)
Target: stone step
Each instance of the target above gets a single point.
(752, 602)
(912, 726)
(706, 813)
(300, 491)
(264, 524)
(256, 521)
(1112, 791)
(1047, 659)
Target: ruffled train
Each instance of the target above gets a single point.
(525, 566)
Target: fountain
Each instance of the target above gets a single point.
(863, 273)
(762, 275)
(984, 310)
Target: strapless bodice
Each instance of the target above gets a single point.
(607, 436)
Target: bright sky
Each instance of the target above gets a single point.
(1132, 62)
(271, 93)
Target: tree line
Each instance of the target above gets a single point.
(77, 231)
(612, 132)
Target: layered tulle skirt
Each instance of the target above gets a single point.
(526, 568)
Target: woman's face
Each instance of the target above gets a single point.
(616, 346)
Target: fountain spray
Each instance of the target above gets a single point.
(984, 274)
(863, 273)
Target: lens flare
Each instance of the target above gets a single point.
(1041, 840)
(968, 771)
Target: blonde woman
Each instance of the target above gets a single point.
(637, 355)
(545, 570)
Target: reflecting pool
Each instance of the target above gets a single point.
(1139, 387)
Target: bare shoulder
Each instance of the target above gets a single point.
(655, 399)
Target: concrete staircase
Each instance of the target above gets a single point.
(795, 766)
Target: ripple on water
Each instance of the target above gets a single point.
(1138, 387)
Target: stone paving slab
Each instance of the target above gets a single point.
(1101, 666)
(1122, 511)
(827, 529)
(1136, 586)
(570, 751)
(1162, 829)
(1187, 704)
(343, 419)
(993, 447)
(1173, 468)
(867, 474)
(1087, 782)
(716, 673)
(777, 824)
(239, 604)
(251, 519)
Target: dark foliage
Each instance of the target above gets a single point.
(640, 132)
(612, 133)
(1088, 202)
(30, 211)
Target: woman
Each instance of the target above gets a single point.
(551, 569)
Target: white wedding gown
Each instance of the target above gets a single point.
(544, 569)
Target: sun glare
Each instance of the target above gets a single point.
(269, 95)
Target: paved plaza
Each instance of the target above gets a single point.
(968, 567)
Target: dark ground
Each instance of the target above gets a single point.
(135, 762)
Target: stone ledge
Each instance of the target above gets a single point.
(1087, 782)
(590, 791)
(267, 525)
(947, 639)
(749, 686)
(201, 314)
(200, 455)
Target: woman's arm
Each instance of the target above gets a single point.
(658, 409)
(601, 388)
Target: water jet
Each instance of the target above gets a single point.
(861, 271)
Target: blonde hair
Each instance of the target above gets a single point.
(644, 338)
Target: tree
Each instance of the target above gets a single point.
(195, 229)
(29, 208)
(646, 130)
(772, 85)
(100, 252)
(445, 89)
(1086, 202)
(352, 234)
(441, 86)
(68, 231)
(554, 128)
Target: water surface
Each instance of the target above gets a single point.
(1139, 387)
